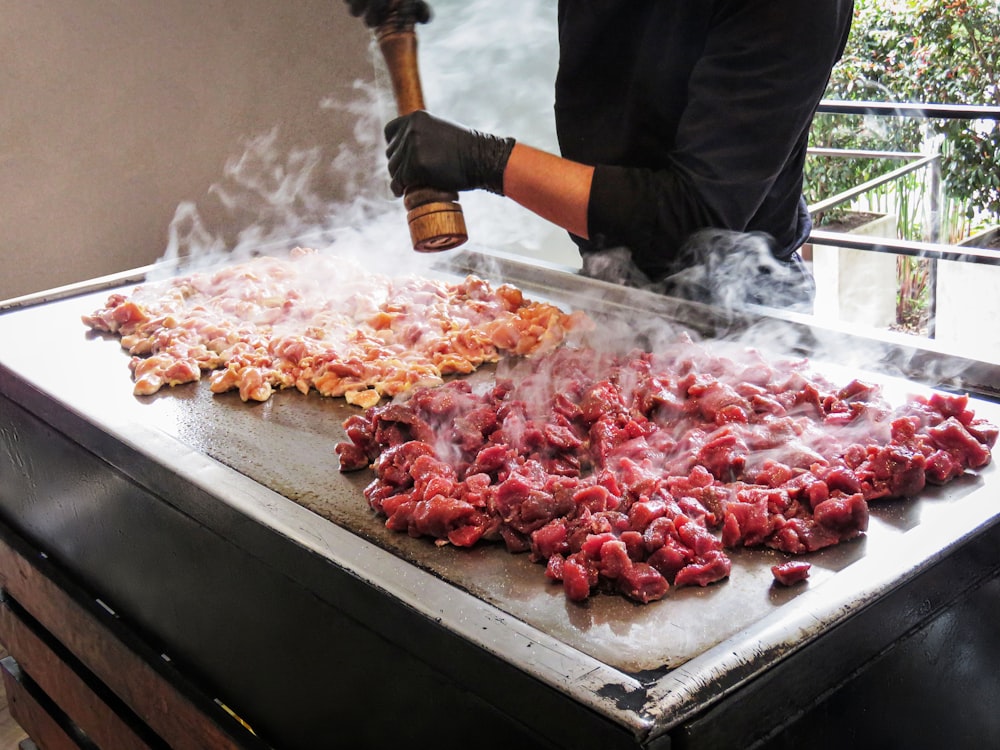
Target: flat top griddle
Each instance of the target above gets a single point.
(275, 463)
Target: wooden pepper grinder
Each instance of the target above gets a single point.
(435, 217)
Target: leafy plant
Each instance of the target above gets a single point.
(923, 51)
(919, 51)
(913, 295)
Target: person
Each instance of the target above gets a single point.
(682, 128)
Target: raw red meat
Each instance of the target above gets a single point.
(791, 572)
(634, 474)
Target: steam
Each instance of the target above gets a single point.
(274, 196)
(484, 66)
(725, 269)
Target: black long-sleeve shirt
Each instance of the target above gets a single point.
(695, 113)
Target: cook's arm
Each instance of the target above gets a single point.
(425, 150)
(556, 189)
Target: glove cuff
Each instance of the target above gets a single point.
(494, 152)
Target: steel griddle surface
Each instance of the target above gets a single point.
(287, 445)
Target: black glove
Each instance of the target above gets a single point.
(375, 11)
(425, 151)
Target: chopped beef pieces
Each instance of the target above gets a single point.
(791, 572)
(634, 474)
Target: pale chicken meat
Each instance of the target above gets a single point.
(315, 321)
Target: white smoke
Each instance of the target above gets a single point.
(486, 65)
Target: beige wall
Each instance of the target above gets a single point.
(114, 113)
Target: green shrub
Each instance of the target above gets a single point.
(918, 51)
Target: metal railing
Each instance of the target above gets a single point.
(928, 250)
